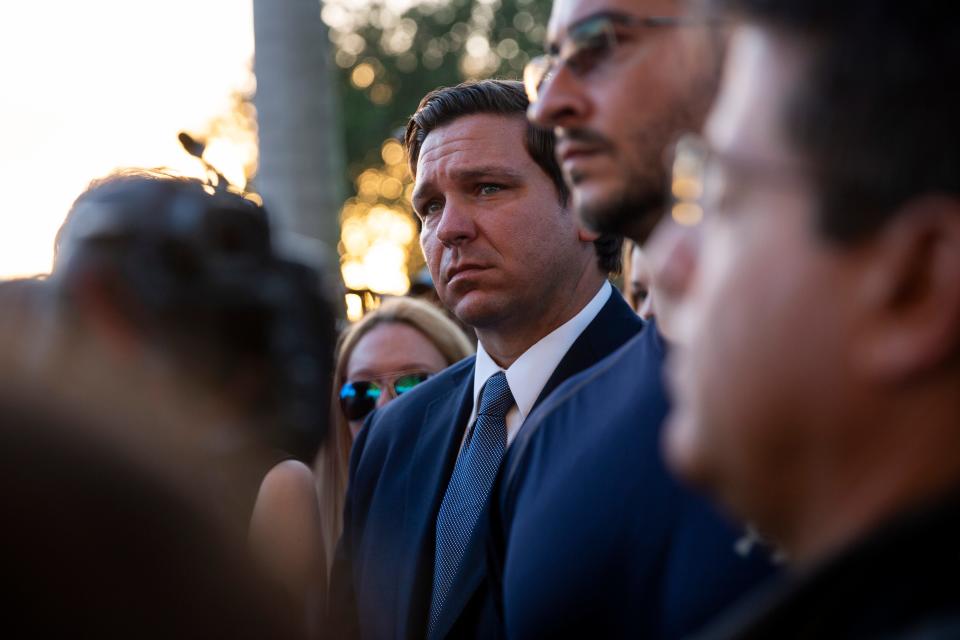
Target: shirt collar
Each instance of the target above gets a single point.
(529, 373)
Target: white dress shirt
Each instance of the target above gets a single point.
(530, 372)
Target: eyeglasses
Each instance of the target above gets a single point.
(702, 178)
(590, 43)
(359, 397)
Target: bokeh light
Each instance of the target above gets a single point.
(687, 214)
(354, 307)
(363, 75)
(378, 232)
(90, 87)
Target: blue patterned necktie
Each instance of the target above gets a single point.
(469, 488)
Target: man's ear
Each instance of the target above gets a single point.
(911, 292)
(586, 235)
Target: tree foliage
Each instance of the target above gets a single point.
(388, 59)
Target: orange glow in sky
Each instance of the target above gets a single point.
(89, 87)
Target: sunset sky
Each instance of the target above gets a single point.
(88, 87)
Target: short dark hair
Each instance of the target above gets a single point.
(502, 97)
(876, 114)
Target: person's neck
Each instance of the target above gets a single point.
(642, 226)
(910, 460)
(506, 342)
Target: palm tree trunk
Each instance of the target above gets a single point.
(301, 151)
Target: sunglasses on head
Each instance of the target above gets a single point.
(359, 397)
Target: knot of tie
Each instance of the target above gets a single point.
(495, 397)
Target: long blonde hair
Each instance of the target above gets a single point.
(331, 465)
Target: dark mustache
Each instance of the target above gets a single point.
(585, 136)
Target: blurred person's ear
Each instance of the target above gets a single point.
(586, 235)
(909, 292)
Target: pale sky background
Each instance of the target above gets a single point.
(90, 86)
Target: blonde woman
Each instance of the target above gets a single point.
(385, 354)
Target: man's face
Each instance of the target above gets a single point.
(499, 245)
(761, 379)
(616, 110)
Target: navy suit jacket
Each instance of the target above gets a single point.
(382, 577)
(590, 537)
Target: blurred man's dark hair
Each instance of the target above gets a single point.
(508, 98)
(188, 272)
(876, 115)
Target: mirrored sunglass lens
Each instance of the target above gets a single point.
(357, 399)
(360, 389)
(409, 381)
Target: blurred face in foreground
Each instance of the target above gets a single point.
(762, 380)
(816, 381)
(621, 79)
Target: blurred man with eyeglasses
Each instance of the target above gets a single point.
(830, 181)
(592, 536)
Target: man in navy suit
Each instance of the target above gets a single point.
(590, 535)
(508, 259)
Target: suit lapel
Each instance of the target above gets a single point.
(438, 441)
(614, 325)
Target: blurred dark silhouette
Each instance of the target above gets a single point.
(185, 279)
(176, 270)
(105, 541)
